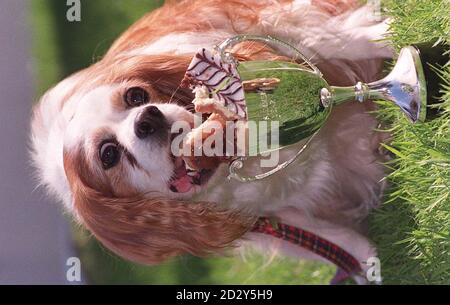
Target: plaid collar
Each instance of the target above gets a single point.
(308, 240)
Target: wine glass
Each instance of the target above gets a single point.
(294, 94)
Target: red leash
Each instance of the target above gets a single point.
(308, 240)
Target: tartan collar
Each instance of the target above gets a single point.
(310, 241)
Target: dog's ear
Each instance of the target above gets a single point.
(148, 229)
(151, 230)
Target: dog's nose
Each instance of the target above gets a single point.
(149, 121)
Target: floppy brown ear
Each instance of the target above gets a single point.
(151, 230)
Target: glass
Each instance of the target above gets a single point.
(295, 94)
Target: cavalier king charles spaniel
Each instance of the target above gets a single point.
(118, 176)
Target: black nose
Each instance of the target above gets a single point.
(149, 121)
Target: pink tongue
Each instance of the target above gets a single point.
(183, 184)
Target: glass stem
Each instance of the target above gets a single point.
(387, 89)
(361, 92)
(405, 86)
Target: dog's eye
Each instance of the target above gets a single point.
(136, 96)
(109, 154)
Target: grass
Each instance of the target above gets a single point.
(61, 48)
(412, 229)
(106, 268)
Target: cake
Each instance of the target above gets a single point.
(220, 95)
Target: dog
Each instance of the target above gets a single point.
(116, 179)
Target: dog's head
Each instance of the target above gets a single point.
(102, 143)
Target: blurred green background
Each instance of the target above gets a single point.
(61, 48)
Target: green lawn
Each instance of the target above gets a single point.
(412, 229)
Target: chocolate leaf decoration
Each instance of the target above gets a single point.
(221, 79)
